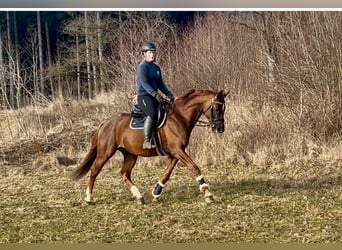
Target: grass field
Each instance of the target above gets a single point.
(298, 200)
(297, 203)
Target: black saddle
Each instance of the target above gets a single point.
(138, 117)
(137, 122)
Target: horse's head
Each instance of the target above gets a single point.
(215, 112)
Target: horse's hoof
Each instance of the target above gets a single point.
(141, 201)
(89, 202)
(209, 199)
(156, 192)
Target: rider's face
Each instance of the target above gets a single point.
(150, 56)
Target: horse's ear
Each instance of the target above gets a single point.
(222, 94)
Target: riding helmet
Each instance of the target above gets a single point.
(148, 46)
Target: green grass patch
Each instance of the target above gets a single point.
(251, 205)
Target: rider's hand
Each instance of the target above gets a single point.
(171, 97)
(159, 98)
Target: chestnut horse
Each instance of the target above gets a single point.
(115, 134)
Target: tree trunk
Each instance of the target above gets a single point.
(269, 37)
(33, 43)
(87, 53)
(99, 39)
(40, 49)
(93, 55)
(78, 68)
(2, 79)
(10, 63)
(49, 58)
(121, 57)
(17, 61)
(59, 80)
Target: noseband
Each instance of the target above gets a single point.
(213, 121)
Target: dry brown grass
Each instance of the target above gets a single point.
(258, 199)
(297, 203)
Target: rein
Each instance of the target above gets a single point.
(212, 121)
(168, 106)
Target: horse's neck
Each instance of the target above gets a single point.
(190, 112)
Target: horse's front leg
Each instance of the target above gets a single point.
(203, 186)
(156, 192)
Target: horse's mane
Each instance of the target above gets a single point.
(187, 94)
(193, 92)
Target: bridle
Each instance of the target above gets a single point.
(213, 121)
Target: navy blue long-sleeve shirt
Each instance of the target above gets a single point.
(149, 79)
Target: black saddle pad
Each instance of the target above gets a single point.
(138, 118)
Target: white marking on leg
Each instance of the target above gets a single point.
(161, 184)
(135, 192)
(88, 197)
(198, 178)
(203, 186)
(208, 194)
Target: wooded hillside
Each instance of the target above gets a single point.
(283, 69)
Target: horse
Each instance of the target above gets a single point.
(115, 134)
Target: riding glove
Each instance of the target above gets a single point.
(171, 97)
(159, 98)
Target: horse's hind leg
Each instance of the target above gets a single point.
(126, 170)
(100, 161)
(156, 192)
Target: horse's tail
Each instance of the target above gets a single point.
(88, 161)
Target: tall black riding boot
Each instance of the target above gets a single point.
(148, 129)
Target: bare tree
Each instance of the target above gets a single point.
(2, 70)
(100, 53)
(49, 58)
(93, 42)
(32, 61)
(86, 31)
(10, 61)
(40, 49)
(78, 67)
(17, 61)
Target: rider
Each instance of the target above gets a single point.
(149, 81)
